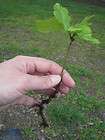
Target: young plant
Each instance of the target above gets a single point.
(62, 20)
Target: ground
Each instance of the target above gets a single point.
(96, 2)
(81, 114)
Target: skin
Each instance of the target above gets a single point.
(23, 73)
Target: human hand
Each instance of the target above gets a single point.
(23, 73)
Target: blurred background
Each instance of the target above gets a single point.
(81, 114)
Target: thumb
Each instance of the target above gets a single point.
(42, 82)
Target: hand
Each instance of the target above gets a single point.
(23, 73)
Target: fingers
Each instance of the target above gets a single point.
(63, 89)
(41, 82)
(32, 64)
(26, 100)
(67, 80)
(46, 91)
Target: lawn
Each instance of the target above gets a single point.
(81, 114)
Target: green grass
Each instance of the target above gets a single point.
(28, 133)
(80, 114)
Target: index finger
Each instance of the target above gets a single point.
(41, 65)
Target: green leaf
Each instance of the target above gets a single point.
(62, 15)
(83, 30)
(88, 37)
(87, 20)
(86, 34)
(74, 29)
(48, 25)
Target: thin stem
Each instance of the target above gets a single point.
(68, 50)
(48, 100)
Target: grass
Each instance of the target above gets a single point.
(80, 115)
(28, 133)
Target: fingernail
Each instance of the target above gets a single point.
(55, 79)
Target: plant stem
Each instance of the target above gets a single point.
(68, 49)
(48, 100)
